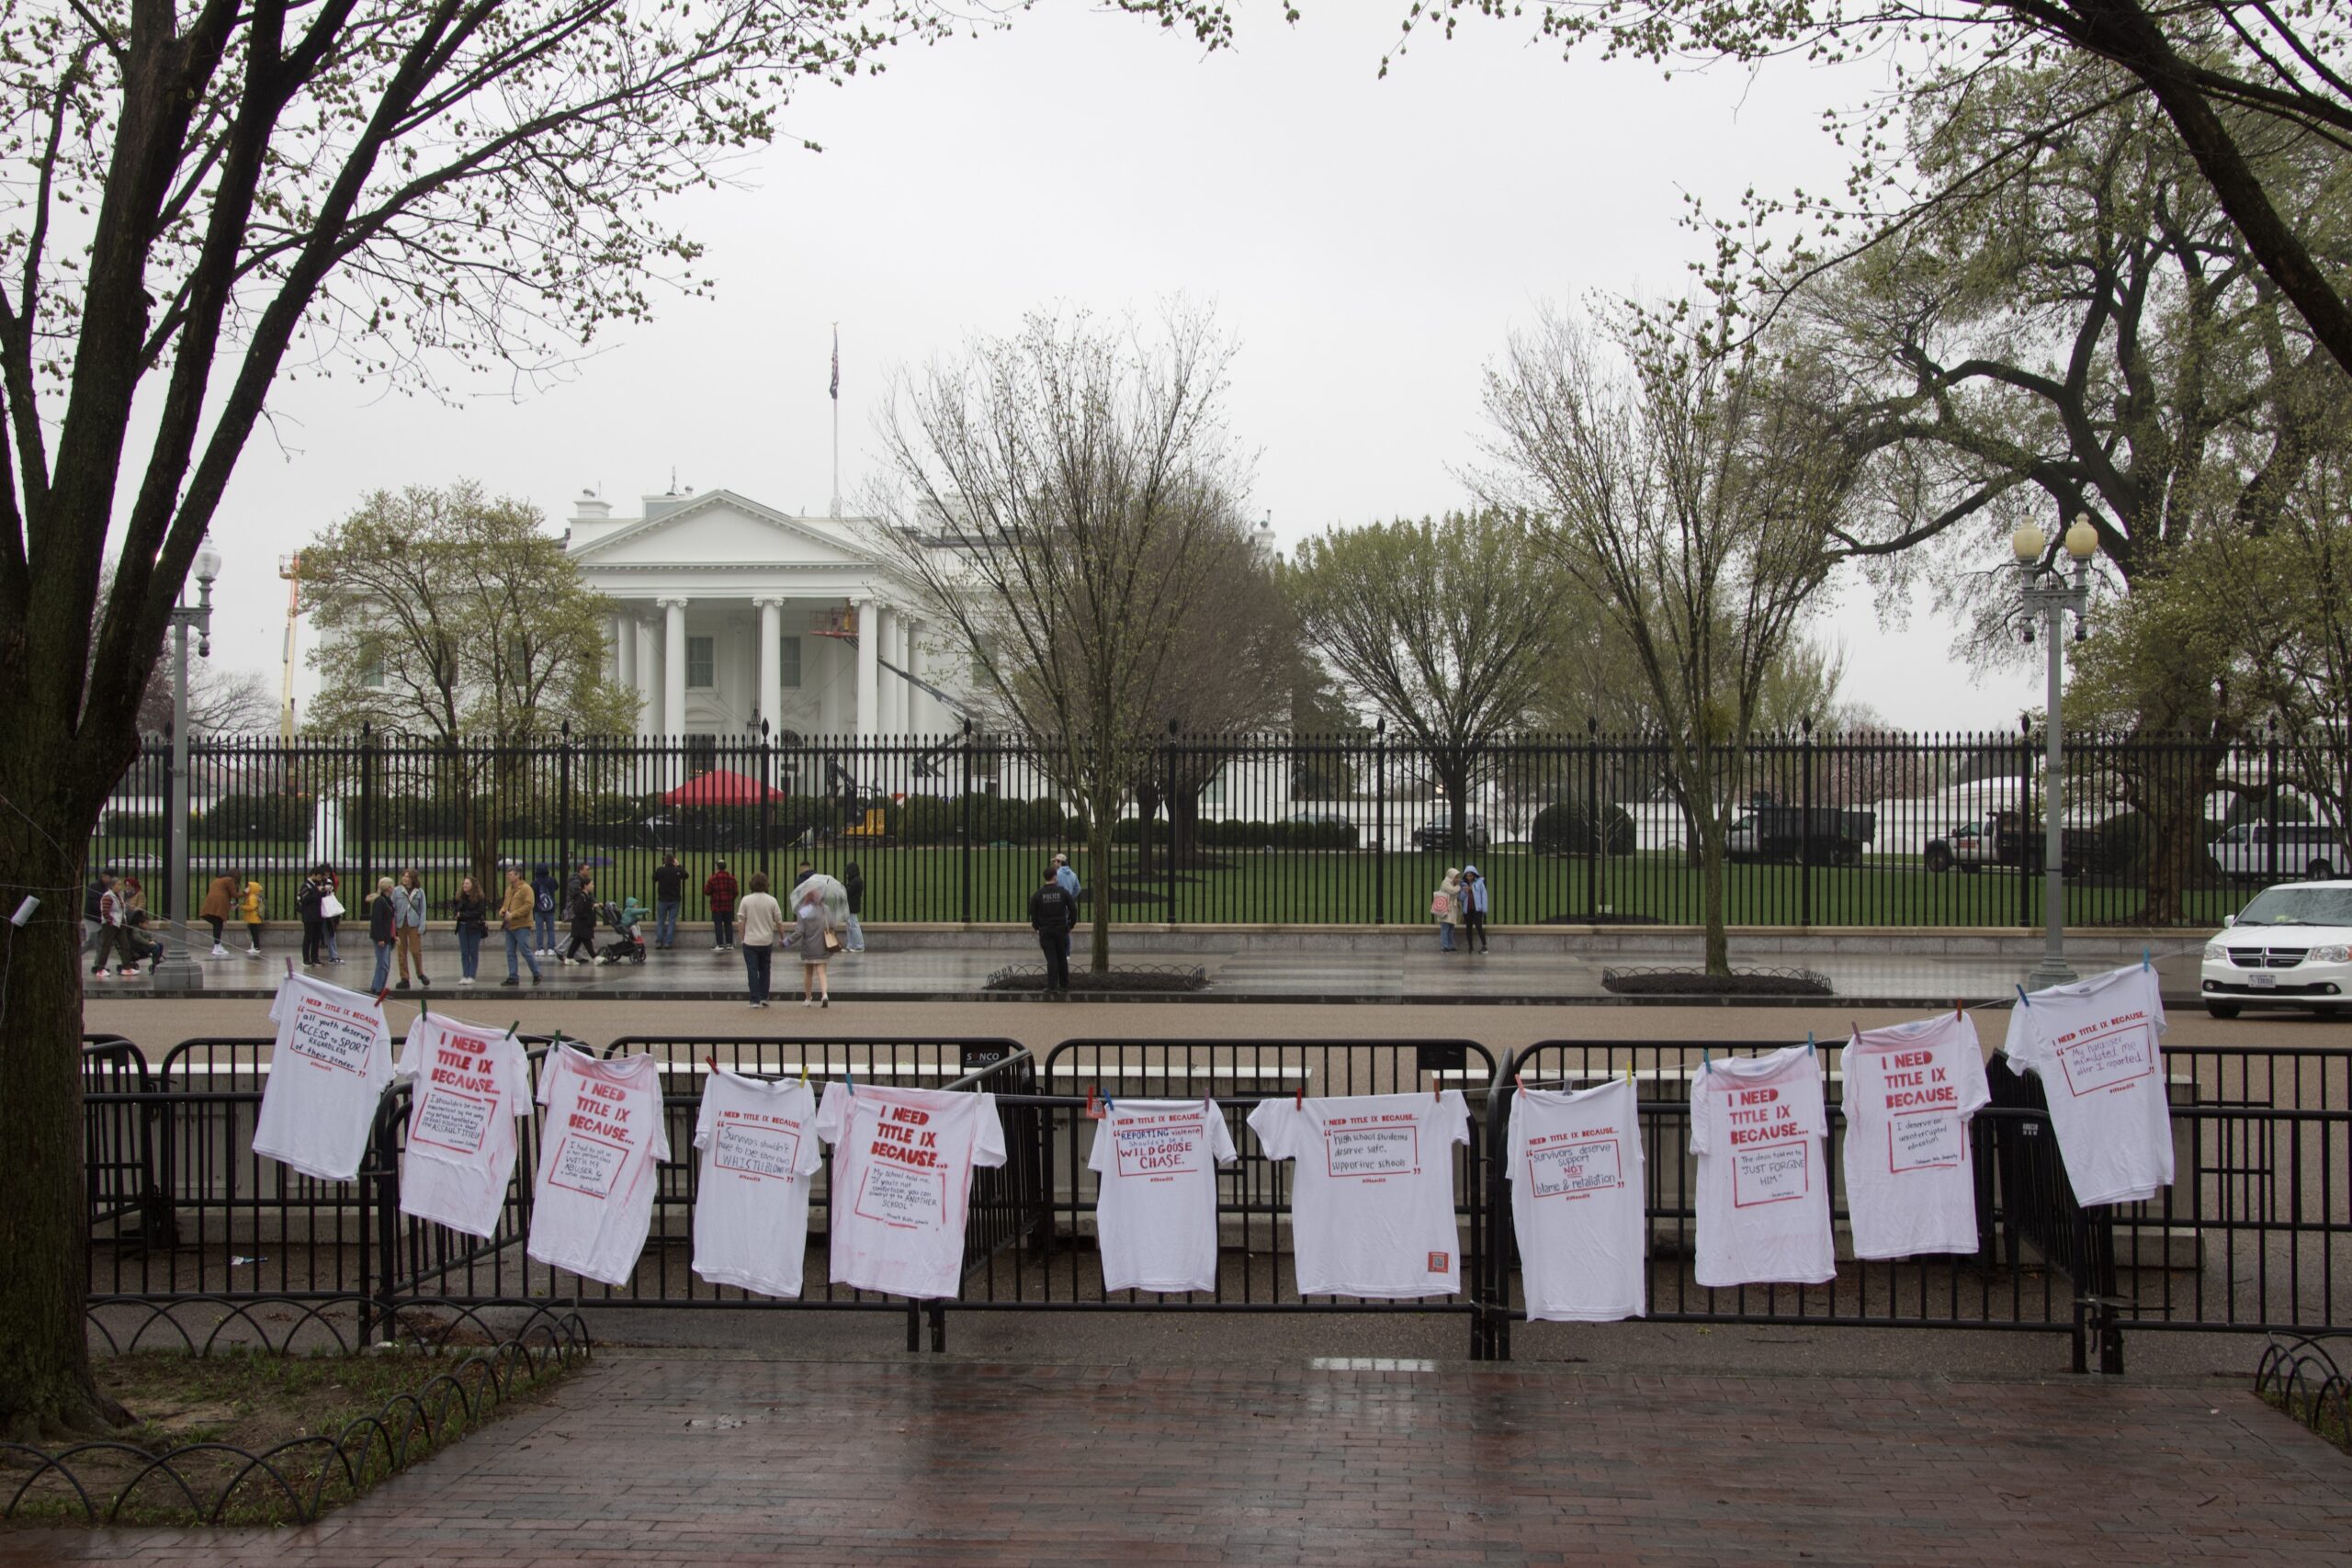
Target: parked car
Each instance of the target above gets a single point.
(1439, 835)
(2290, 946)
(2005, 837)
(2303, 848)
(1827, 836)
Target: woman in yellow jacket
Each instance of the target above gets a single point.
(219, 903)
(249, 911)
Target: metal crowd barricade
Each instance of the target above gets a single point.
(118, 1142)
(428, 1260)
(1059, 1270)
(2011, 1286)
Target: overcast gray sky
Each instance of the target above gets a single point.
(1370, 245)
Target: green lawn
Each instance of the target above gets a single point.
(1288, 886)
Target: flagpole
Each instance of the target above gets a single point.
(837, 419)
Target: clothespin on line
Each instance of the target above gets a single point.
(1808, 1041)
(2143, 960)
(381, 995)
(289, 969)
(1958, 1011)
(1437, 1088)
(513, 1027)
(712, 1063)
(1856, 1029)
(2023, 1001)
(1300, 1102)
(1629, 1072)
(1706, 1060)
(1520, 1082)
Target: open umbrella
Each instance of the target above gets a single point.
(722, 786)
(829, 892)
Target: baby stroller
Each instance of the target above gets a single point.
(627, 947)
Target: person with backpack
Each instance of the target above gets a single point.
(1052, 913)
(544, 891)
(719, 889)
(669, 891)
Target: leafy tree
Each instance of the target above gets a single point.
(2089, 336)
(451, 615)
(197, 194)
(2252, 96)
(1688, 486)
(1443, 628)
(1061, 499)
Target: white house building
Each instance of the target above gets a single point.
(731, 613)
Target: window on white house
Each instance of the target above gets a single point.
(371, 673)
(788, 661)
(702, 661)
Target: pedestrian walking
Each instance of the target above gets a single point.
(219, 904)
(517, 914)
(383, 929)
(719, 889)
(408, 926)
(249, 911)
(763, 923)
(1446, 904)
(1052, 913)
(1474, 909)
(669, 891)
(309, 900)
(113, 933)
(331, 915)
(853, 882)
(544, 893)
(811, 928)
(582, 949)
(1067, 878)
(472, 910)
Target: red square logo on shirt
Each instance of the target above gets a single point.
(1438, 1261)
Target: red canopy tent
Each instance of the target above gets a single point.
(722, 786)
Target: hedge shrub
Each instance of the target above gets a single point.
(1569, 827)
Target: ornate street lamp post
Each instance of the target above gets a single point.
(2045, 590)
(178, 969)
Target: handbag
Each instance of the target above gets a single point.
(832, 942)
(1440, 904)
(331, 907)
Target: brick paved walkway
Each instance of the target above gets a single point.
(716, 1462)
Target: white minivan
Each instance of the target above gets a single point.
(2290, 946)
(2305, 849)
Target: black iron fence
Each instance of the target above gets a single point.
(1884, 830)
(2254, 1236)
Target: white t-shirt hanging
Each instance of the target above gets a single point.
(1155, 1212)
(759, 1149)
(1761, 1132)
(902, 1183)
(2094, 1045)
(1576, 1204)
(327, 1075)
(470, 1084)
(1372, 1190)
(1910, 1176)
(599, 1144)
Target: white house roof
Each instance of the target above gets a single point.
(720, 528)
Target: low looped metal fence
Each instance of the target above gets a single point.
(291, 1481)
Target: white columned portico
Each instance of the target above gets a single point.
(771, 661)
(918, 703)
(673, 666)
(644, 676)
(889, 686)
(625, 648)
(869, 645)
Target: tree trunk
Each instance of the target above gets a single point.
(1710, 825)
(1146, 809)
(2176, 807)
(1098, 876)
(1183, 829)
(45, 1383)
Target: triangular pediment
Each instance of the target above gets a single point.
(721, 528)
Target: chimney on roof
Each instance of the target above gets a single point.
(589, 508)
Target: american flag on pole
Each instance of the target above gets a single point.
(836, 387)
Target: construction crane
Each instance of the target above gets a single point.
(290, 569)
